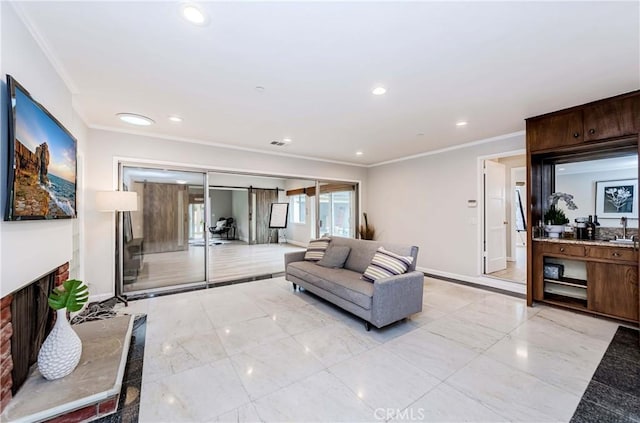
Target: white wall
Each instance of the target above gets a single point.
(240, 211)
(221, 204)
(101, 174)
(31, 249)
(423, 201)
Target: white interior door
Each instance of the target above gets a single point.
(495, 227)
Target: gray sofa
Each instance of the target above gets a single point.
(380, 303)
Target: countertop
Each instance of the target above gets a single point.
(600, 242)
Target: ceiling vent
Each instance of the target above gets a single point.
(278, 143)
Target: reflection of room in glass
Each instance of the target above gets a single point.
(335, 213)
(298, 208)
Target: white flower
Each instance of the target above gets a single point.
(568, 198)
(618, 197)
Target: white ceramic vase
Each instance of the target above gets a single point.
(60, 353)
(554, 231)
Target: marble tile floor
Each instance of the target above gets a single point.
(261, 352)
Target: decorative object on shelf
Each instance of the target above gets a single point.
(60, 353)
(554, 231)
(553, 271)
(366, 231)
(554, 218)
(617, 198)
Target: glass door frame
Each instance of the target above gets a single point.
(120, 231)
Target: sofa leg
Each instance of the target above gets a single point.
(294, 286)
(367, 326)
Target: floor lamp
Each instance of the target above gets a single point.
(118, 202)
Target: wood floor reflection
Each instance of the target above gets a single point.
(228, 261)
(516, 271)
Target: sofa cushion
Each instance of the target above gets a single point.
(316, 249)
(385, 264)
(335, 256)
(362, 252)
(341, 282)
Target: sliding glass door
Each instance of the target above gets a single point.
(200, 229)
(337, 210)
(164, 241)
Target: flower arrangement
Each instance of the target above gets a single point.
(556, 216)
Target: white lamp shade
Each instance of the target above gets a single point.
(110, 201)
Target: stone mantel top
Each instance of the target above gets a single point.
(98, 377)
(597, 242)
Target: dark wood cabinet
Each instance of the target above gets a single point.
(613, 289)
(610, 119)
(608, 286)
(561, 130)
(605, 276)
(601, 120)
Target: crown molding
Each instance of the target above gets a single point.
(45, 47)
(220, 145)
(452, 148)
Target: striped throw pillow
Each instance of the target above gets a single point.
(385, 264)
(316, 249)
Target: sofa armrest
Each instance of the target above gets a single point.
(293, 257)
(396, 297)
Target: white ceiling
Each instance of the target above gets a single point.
(489, 63)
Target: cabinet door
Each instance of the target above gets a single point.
(613, 289)
(609, 119)
(558, 130)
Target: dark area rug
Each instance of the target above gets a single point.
(613, 395)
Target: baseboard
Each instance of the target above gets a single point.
(478, 281)
(99, 297)
(297, 243)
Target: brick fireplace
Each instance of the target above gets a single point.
(7, 325)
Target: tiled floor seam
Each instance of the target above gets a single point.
(555, 385)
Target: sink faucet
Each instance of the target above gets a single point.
(623, 222)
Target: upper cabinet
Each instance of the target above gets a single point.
(610, 118)
(562, 129)
(613, 118)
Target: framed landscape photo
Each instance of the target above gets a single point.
(617, 198)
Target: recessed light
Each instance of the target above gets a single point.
(287, 140)
(461, 123)
(561, 169)
(359, 153)
(176, 119)
(181, 181)
(420, 134)
(193, 14)
(135, 119)
(259, 89)
(379, 90)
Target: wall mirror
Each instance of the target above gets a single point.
(605, 187)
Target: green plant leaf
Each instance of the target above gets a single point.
(72, 295)
(555, 216)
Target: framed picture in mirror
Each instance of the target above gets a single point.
(617, 198)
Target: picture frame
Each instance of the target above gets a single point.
(617, 198)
